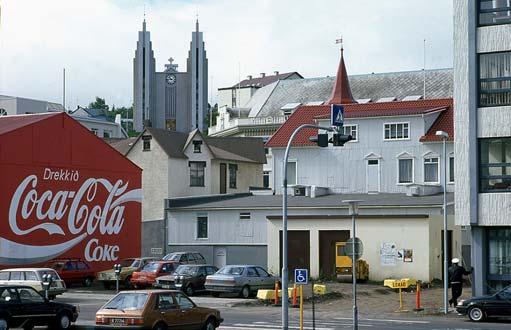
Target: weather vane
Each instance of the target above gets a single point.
(339, 41)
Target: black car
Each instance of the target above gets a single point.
(187, 278)
(479, 308)
(23, 307)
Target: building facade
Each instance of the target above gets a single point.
(482, 98)
(171, 100)
(98, 123)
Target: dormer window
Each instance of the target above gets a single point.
(146, 142)
(197, 147)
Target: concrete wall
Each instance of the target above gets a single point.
(243, 95)
(344, 169)
(101, 127)
(153, 238)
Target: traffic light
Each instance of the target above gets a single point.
(337, 139)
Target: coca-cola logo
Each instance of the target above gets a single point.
(76, 214)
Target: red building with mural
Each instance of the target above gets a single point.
(65, 193)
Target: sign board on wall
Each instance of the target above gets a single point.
(388, 252)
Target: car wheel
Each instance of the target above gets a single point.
(476, 314)
(189, 290)
(160, 326)
(88, 281)
(215, 294)
(210, 324)
(62, 321)
(127, 282)
(245, 292)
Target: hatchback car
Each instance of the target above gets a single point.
(33, 277)
(156, 309)
(148, 274)
(73, 271)
(24, 307)
(479, 308)
(187, 278)
(241, 279)
(186, 257)
(129, 266)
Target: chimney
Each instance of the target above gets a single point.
(276, 73)
(263, 74)
(249, 77)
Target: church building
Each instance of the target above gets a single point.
(172, 100)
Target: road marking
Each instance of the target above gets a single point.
(386, 320)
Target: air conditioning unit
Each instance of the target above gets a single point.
(299, 191)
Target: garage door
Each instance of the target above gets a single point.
(298, 250)
(327, 240)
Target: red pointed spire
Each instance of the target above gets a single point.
(341, 93)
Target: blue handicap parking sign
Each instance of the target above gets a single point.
(336, 115)
(301, 276)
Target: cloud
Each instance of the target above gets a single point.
(95, 41)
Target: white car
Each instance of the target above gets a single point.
(33, 277)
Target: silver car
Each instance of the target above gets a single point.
(241, 279)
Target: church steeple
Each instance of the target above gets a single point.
(341, 93)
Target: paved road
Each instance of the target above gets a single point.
(268, 318)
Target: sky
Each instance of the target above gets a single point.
(95, 41)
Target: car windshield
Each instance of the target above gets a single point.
(231, 270)
(186, 270)
(49, 271)
(151, 267)
(127, 301)
(129, 263)
(172, 257)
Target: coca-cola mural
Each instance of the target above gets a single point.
(51, 211)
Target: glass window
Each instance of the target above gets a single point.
(197, 146)
(199, 257)
(183, 301)
(451, 169)
(107, 134)
(211, 270)
(151, 267)
(165, 301)
(396, 131)
(493, 12)
(17, 276)
(291, 173)
(266, 179)
(29, 295)
(146, 143)
(405, 170)
(8, 295)
(202, 227)
(233, 169)
(262, 272)
(183, 258)
(128, 301)
(231, 270)
(197, 174)
(94, 131)
(82, 265)
(499, 251)
(495, 164)
(30, 276)
(431, 169)
(351, 130)
(251, 272)
(495, 79)
(4, 276)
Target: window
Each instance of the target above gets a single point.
(197, 173)
(17, 276)
(8, 295)
(251, 272)
(246, 225)
(82, 265)
(107, 134)
(499, 251)
(94, 131)
(146, 142)
(262, 272)
(197, 147)
(493, 12)
(4, 276)
(202, 226)
(29, 295)
(183, 301)
(495, 79)
(291, 173)
(495, 164)
(451, 169)
(233, 168)
(165, 301)
(30, 276)
(211, 270)
(396, 131)
(431, 170)
(233, 100)
(266, 179)
(405, 170)
(351, 130)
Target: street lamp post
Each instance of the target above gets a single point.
(445, 136)
(285, 277)
(353, 211)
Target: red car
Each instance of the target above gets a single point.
(73, 271)
(147, 276)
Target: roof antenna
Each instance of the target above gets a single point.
(424, 72)
(144, 11)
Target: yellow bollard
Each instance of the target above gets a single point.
(301, 307)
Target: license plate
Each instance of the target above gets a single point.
(116, 321)
(165, 286)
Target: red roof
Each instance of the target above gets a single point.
(11, 123)
(341, 93)
(310, 114)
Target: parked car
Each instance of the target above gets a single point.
(129, 265)
(186, 257)
(479, 308)
(22, 306)
(187, 278)
(241, 279)
(156, 309)
(148, 274)
(73, 271)
(33, 278)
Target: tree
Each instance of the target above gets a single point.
(98, 104)
(213, 115)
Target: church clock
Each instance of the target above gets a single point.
(171, 79)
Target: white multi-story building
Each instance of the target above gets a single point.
(482, 98)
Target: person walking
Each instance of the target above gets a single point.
(456, 273)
